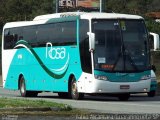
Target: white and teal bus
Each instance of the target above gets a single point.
(77, 53)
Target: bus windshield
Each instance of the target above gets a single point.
(121, 45)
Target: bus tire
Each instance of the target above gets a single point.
(74, 91)
(151, 93)
(124, 97)
(23, 91)
(22, 87)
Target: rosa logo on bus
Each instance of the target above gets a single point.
(55, 53)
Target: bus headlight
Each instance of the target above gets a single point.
(101, 77)
(145, 77)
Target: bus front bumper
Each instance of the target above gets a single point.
(101, 86)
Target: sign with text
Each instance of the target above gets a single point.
(88, 3)
(67, 3)
(79, 4)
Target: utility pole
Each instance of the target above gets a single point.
(57, 5)
(100, 6)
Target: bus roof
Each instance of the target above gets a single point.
(83, 15)
(22, 23)
(91, 15)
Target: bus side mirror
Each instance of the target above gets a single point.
(154, 41)
(91, 41)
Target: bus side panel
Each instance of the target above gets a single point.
(44, 69)
(19, 65)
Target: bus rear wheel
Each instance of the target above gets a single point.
(74, 91)
(23, 91)
(22, 87)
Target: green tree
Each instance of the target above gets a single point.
(128, 6)
(154, 5)
(20, 10)
(117, 6)
(153, 26)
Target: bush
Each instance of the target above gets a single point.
(153, 26)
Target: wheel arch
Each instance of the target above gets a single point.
(74, 94)
(70, 80)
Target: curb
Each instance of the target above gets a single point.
(43, 109)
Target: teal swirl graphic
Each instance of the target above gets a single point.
(23, 43)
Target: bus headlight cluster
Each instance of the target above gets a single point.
(145, 77)
(101, 77)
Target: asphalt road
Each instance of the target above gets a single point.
(138, 104)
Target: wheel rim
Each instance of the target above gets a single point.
(22, 86)
(74, 89)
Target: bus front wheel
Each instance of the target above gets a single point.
(74, 91)
(151, 93)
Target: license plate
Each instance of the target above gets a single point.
(124, 86)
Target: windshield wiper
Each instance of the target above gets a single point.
(125, 54)
(116, 62)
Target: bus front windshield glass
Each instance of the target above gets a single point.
(121, 45)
